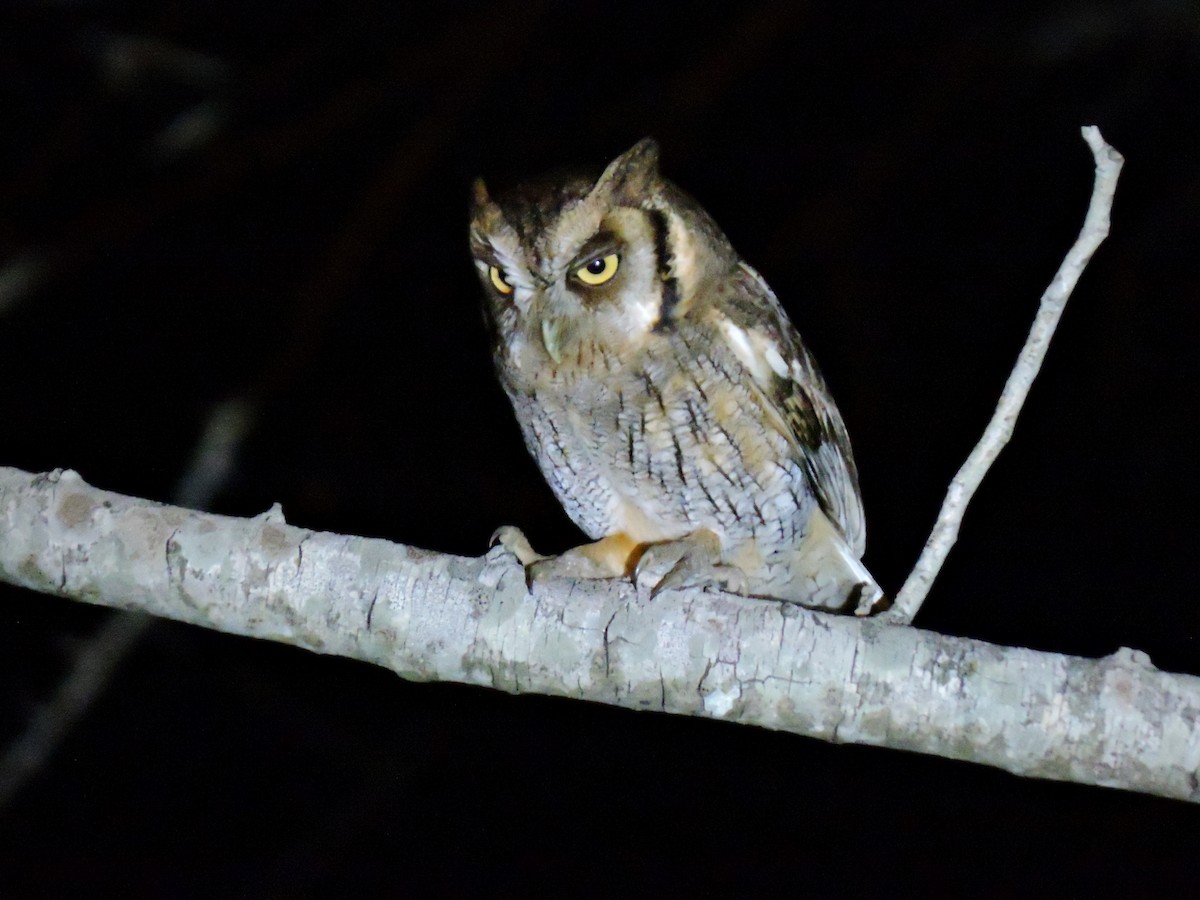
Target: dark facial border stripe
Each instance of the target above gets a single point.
(662, 254)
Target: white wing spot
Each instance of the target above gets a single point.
(774, 360)
(757, 352)
(739, 343)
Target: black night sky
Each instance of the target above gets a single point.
(268, 201)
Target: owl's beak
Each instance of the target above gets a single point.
(552, 334)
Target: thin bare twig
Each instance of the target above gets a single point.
(1000, 428)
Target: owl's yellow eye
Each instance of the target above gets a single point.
(498, 281)
(599, 270)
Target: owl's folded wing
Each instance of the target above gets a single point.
(790, 385)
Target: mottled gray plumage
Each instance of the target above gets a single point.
(668, 400)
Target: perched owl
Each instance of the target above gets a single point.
(665, 395)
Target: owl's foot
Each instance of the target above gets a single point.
(606, 558)
(693, 561)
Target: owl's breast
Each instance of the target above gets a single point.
(660, 444)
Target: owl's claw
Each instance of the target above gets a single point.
(513, 540)
(693, 561)
(509, 540)
(684, 575)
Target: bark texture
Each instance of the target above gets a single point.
(1115, 721)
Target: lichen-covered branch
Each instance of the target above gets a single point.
(1116, 721)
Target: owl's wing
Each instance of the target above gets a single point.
(759, 333)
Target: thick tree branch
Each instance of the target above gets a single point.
(1116, 721)
(94, 660)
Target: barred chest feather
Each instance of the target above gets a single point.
(646, 446)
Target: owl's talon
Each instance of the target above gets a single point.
(513, 540)
(676, 579)
(690, 562)
(719, 576)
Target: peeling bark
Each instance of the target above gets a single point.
(1115, 721)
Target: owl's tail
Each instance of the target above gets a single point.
(827, 574)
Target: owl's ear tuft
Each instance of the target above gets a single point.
(479, 193)
(642, 156)
(633, 172)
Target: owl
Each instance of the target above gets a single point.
(665, 395)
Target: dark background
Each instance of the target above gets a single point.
(215, 200)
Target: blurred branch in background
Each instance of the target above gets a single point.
(90, 661)
(130, 64)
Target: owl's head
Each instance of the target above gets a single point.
(586, 262)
